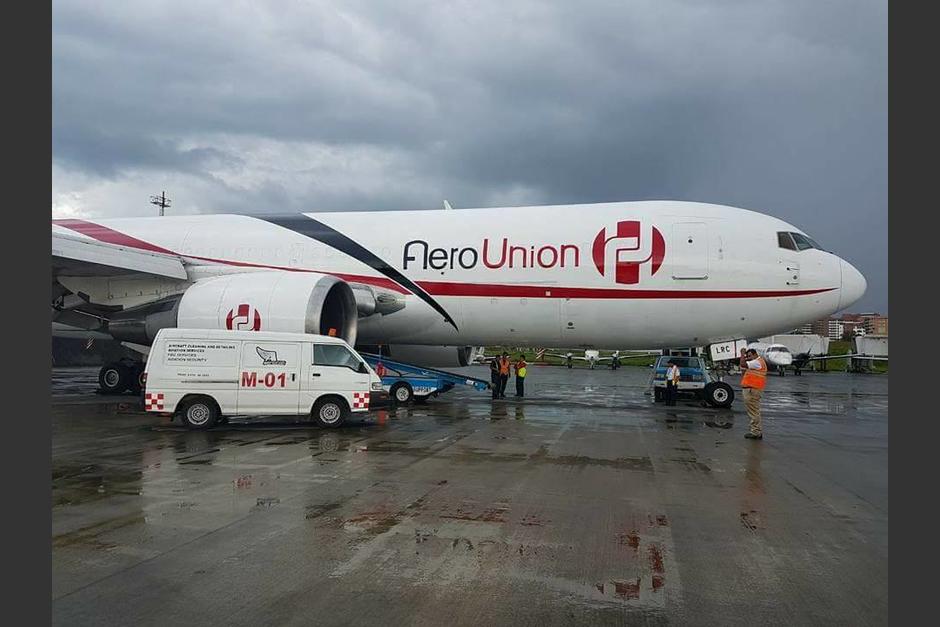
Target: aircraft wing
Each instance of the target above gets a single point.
(846, 356)
(74, 256)
(558, 355)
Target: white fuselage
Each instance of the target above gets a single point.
(634, 275)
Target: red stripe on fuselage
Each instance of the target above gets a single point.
(110, 236)
(439, 288)
(444, 288)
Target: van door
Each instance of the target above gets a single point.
(269, 381)
(688, 252)
(335, 370)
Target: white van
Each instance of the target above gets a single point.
(201, 375)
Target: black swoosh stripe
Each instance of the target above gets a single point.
(314, 229)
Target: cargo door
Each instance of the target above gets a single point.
(688, 251)
(269, 381)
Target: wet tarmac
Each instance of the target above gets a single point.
(584, 503)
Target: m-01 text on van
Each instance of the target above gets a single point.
(202, 375)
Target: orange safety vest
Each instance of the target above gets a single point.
(520, 368)
(755, 378)
(503, 366)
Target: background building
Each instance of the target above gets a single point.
(847, 325)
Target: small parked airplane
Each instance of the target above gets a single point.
(593, 357)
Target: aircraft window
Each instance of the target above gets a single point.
(814, 243)
(802, 242)
(785, 241)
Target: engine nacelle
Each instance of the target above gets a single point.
(269, 301)
(429, 356)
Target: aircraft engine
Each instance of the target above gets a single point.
(255, 301)
(429, 356)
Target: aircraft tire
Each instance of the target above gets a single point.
(113, 378)
(135, 376)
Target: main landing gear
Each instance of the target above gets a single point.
(120, 376)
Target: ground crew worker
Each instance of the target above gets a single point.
(504, 365)
(494, 376)
(752, 384)
(672, 383)
(520, 367)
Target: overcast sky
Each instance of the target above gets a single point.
(780, 107)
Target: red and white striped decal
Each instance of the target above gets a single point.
(360, 400)
(153, 401)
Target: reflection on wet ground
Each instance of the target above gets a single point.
(585, 503)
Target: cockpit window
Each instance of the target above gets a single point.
(802, 242)
(814, 243)
(796, 241)
(785, 241)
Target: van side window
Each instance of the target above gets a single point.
(334, 355)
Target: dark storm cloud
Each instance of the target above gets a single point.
(779, 107)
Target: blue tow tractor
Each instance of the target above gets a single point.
(407, 382)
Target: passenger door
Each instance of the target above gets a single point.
(335, 369)
(269, 381)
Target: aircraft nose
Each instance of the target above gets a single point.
(853, 285)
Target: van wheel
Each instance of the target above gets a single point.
(113, 378)
(198, 412)
(402, 393)
(719, 394)
(330, 412)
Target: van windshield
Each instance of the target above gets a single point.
(334, 355)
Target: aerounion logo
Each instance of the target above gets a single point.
(244, 317)
(631, 247)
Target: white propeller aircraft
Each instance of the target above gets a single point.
(629, 274)
(777, 356)
(593, 357)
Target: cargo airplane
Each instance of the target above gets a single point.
(435, 283)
